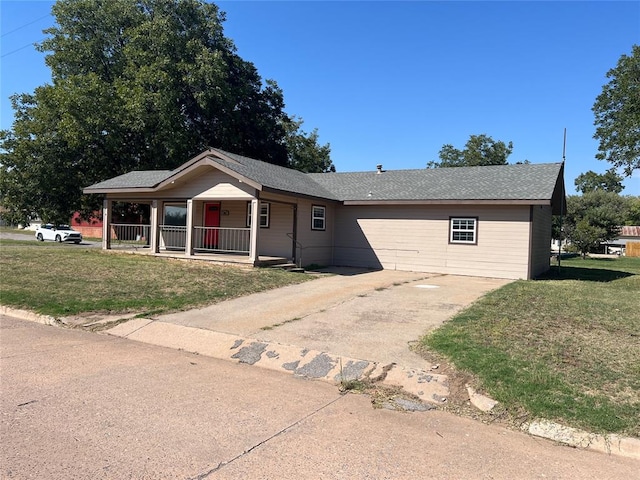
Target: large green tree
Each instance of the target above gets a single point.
(479, 150)
(142, 84)
(633, 211)
(594, 217)
(305, 153)
(590, 181)
(617, 114)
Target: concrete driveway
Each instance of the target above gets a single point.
(371, 315)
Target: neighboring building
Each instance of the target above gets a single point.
(492, 221)
(91, 228)
(628, 234)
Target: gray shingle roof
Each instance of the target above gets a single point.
(275, 177)
(136, 179)
(499, 182)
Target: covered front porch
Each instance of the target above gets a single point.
(213, 229)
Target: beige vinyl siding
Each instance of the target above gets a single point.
(416, 238)
(317, 245)
(237, 217)
(541, 218)
(273, 241)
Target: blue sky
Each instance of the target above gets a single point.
(392, 82)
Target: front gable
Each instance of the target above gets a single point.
(206, 181)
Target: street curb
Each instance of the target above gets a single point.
(28, 315)
(610, 444)
(297, 361)
(330, 368)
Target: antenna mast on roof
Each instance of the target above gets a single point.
(562, 201)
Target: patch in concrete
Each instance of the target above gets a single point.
(352, 370)
(291, 366)
(319, 367)
(236, 344)
(272, 354)
(413, 406)
(251, 353)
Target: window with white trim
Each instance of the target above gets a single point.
(318, 217)
(264, 215)
(463, 230)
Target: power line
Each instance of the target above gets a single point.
(17, 49)
(25, 25)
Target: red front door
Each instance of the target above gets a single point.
(211, 219)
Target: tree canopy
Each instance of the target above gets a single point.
(479, 150)
(594, 217)
(136, 85)
(305, 154)
(617, 114)
(591, 181)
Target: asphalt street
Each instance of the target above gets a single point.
(91, 406)
(30, 235)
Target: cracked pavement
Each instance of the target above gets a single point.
(76, 405)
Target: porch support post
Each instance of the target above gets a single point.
(188, 247)
(106, 224)
(153, 234)
(255, 225)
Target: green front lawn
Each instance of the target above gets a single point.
(61, 280)
(564, 348)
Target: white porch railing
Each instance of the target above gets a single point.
(127, 234)
(172, 237)
(218, 239)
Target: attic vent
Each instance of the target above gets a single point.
(379, 167)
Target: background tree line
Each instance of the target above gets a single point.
(139, 85)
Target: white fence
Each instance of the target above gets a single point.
(127, 234)
(172, 237)
(218, 239)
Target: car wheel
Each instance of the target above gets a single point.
(77, 242)
(39, 237)
(58, 239)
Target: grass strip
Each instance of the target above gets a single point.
(565, 348)
(63, 280)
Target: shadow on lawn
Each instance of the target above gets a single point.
(570, 272)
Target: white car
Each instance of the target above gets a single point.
(58, 233)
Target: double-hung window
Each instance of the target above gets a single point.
(263, 211)
(463, 230)
(318, 217)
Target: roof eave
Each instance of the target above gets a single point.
(449, 202)
(90, 190)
